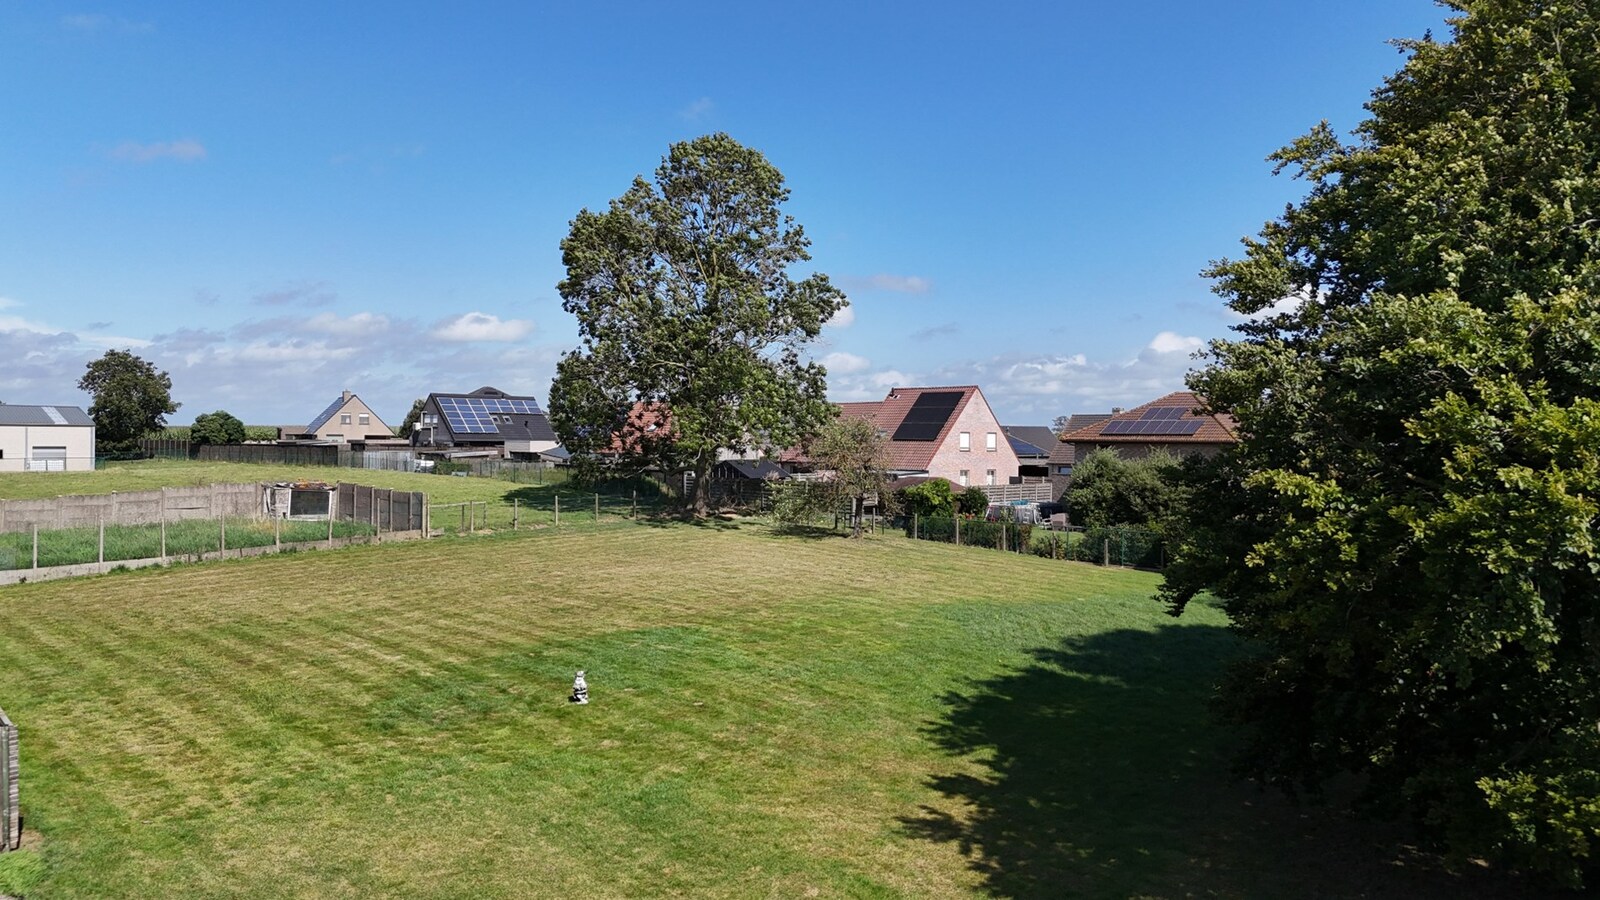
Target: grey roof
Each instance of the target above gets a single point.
(1030, 440)
(759, 469)
(41, 415)
(531, 426)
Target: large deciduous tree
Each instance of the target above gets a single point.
(686, 310)
(1407, 532)
(220, 427)
(131, 399)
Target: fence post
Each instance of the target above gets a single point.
(916, 526)
(558, 511)
(330, 520)
(1105, 551)
(10, 795)
(163, 528)
(36, 545)
(958, 531)
(222, 531)
(102, 553)
(472, 517)
(277, 532)
(597, 509)
(636, 503)
(516, 511)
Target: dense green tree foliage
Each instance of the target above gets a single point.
(930, 498)
(218, 427)
(685, 305)
(852, 456)
(412, 417)
(1407, 531)
(1109, 490)
(972, 501)
(131, 399)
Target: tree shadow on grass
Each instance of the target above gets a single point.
(1098, 771)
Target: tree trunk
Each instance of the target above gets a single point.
(700, 500)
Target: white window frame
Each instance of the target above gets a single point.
(364, 419)
(965, 441)
(990, 477)
(344, 418)
(990, 443)
(963, 477)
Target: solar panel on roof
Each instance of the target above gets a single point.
(327, 414)
(927, 416)
(475, 415)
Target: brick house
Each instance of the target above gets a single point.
(1174, 423)
(950, 432)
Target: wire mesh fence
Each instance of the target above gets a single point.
(1119, 545)
(44, 548)
(575, 508)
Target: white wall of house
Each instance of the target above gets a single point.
(46, 448)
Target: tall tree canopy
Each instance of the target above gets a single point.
(131, 398)
(685, 305)
(1407, 530)
(220, 427)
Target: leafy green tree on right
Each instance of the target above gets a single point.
(1407, 532)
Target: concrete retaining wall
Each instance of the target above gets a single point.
(132, 508)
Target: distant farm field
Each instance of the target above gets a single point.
(771, 716)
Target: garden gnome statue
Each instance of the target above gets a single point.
(580, 689)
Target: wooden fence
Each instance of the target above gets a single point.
(10, 806)
(383, 508)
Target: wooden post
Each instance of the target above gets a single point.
(102, 539)
(916, 529)
(558, 510)
(958, 531)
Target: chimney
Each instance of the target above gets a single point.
(345, 397)
(1115, 410)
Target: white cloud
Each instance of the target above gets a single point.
(697, 110)
(358, 324)
(845, 363)
(844, 318)
(184, 150)
(113, 342)
(478, 326)
(300, 293)
(293, 351)
(1172, 342)
(883, 281)
(8, 303)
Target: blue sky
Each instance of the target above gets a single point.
(275, 202)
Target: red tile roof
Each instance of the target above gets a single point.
(888, 413)
(1214, 429)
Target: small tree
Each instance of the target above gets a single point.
(131, 399)
(855, 455)
(1109, 490)
(930, 498)
(218, 427)
(972, 501)
(412, 418)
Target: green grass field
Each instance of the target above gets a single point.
(495, 504)
(771, 716)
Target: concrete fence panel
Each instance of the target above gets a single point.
(10, 796)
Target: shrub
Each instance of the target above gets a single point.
(972, 501)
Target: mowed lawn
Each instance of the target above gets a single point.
(771, 716)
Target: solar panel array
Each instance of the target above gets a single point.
(327, 414)
(475, 415)
(927, 416)
(1163, 420)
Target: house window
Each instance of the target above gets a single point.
(336, 438)
(989, 444)
(430, 418)
(1063, 470)
(365, 420)
(966, 440)
(989, 476)
(963, 477)
(344, 419)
